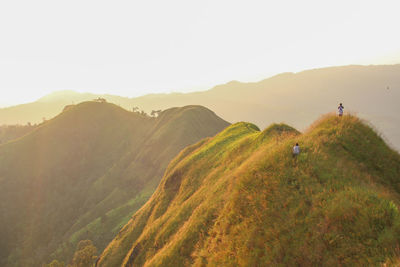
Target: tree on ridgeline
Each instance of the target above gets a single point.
(100, 100)
(155, 113)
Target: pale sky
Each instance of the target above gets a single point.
(133, 48)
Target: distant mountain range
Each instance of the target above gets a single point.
(82, 174)
(241, 199)
(371, 92)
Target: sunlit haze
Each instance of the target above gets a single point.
(133, 48)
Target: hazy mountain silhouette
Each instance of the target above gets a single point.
(48, 107)
(372, 92)
(241, 199)
(82, 174)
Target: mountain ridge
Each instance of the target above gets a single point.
(296, 99)
(82, 173)
(240, 199)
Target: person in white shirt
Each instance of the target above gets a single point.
(296, 150)
(340, 108)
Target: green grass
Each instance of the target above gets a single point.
(240, 199)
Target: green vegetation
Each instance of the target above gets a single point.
(241, 199)
(81, 175)
(85, 254)
(55, 263)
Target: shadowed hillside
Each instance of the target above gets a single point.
(240, 199)
(11, 132)
(82, 174)
(372, 92)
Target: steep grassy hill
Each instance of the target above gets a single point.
(372, 92)
(241, 199)
(82, 174)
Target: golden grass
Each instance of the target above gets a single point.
(240, 199)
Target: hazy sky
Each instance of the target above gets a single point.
(137, 47)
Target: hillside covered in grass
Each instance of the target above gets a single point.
(241, 199)
(82, 174)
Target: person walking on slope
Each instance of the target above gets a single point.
(296, 150)
(340, 108)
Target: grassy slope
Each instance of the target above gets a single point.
(240, 199)
(81, 174)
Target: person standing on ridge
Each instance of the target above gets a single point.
(340, 108)
(296, 150)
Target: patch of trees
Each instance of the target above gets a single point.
(100, 100)
(84, 256)
(154, 113)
